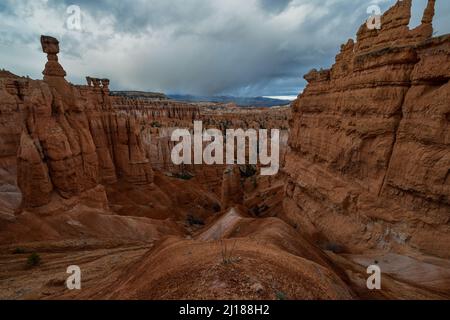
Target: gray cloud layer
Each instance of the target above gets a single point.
(252, 47)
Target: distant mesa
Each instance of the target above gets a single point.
(140, 94)
(231, 100)
(239, 101)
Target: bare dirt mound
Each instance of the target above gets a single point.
(238, 223)
(229, 269)
(84, 223)
(234, 257)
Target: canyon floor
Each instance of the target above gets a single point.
(231, 254)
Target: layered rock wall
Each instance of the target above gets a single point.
(370, 146)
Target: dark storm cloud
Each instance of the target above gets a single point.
(138, 16)
(275, 5)
(253, 47)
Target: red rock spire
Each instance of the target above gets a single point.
(50, 46)
(429, 12)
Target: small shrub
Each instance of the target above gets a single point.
(280, 295)
(255, 211)
(224, 125)
(193, 221)
(184, 176)
(334, 247)
(34, 260)
(216, 207)
(156, 124)
(19, 251)
(227, 253)
(248, 171)
(258, 211)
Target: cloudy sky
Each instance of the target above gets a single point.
(208, 47)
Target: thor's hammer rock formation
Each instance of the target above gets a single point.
(72, 141)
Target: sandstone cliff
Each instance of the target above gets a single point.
(70, 140)
(369, 165)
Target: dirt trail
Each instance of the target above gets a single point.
(221, 227)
